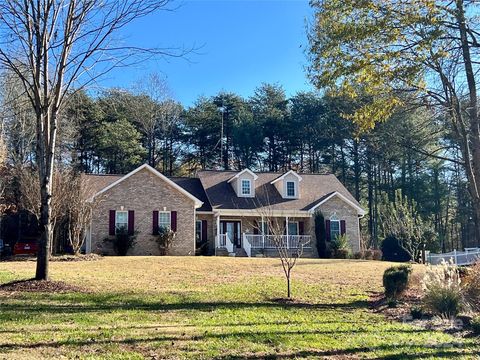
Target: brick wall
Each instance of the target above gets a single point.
(143, 193)
(343, 211)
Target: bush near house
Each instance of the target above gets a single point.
(395, 280)
(122, 241)
(393, 251)
(320, 235)
(340, 247)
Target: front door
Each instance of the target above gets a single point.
(232, 229)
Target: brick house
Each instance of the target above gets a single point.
(221, 212)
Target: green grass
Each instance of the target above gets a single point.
(166, 307)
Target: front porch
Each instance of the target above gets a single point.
(251, 236)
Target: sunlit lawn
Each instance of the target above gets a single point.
(185, 307)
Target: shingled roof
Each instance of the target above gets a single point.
(314, 188)
(99, 182)
(212, 188)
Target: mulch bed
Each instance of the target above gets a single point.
(41, 286)
(55, 258)
(402, 313)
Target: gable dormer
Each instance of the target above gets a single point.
(288, 185)
(243, 183)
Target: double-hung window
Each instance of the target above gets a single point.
(164, 220)
(291, 189)
(264, 228)
(293, 228)
(246, 187)
(121, 221)
(334, 229)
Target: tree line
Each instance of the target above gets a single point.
(116, 130)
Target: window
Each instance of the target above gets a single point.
(198, 231)
(121, 221)
(164, 220)
(334, 229)
(246, 187)
(264, 228)
(293, 228)
(290, 188)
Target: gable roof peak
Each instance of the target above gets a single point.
(237, 175)
(284, 175)
(198, 203)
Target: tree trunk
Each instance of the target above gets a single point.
(288, 286)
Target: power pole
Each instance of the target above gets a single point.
(222, 109)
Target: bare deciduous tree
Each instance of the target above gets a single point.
(79, 209)
(288, 251)
(72, 201)
(53, 46)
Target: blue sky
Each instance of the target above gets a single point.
(241, 44)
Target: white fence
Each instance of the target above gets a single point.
(467, 257)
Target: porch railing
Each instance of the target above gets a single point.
(274, 241)
(222, 241)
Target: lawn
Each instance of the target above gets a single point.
(228, 308)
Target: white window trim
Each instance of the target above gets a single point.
(334, 219)
(126, 216)
(201, 229)
(294, 189)
(169, 218)
(249, 187)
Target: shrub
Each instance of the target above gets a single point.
(471, 287)
(368, 254)
(416, 312)
(395, 280)
(340, 247)
(475, 325)
(359, 255)
(122, 242)
(320, 235)
(164, 239)
(342, 254)
(392, 251)
(443, 295)
(376, 254)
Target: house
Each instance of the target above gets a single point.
(220, 212)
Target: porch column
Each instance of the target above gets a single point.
(217, 218)
(286, 228)
(262, 229)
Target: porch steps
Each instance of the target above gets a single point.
(239, 252)
(221, 252)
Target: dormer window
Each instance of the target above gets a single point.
(291, 189)
(246, 187)
(243, 183)
(288, 185)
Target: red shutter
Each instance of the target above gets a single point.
(255, 227)
(301, 228)
(204, 231)
(343, 227)
(327, 230)
(285, 225)
(131, 222)
(173, 220)
(155, 222)
(111, 223)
